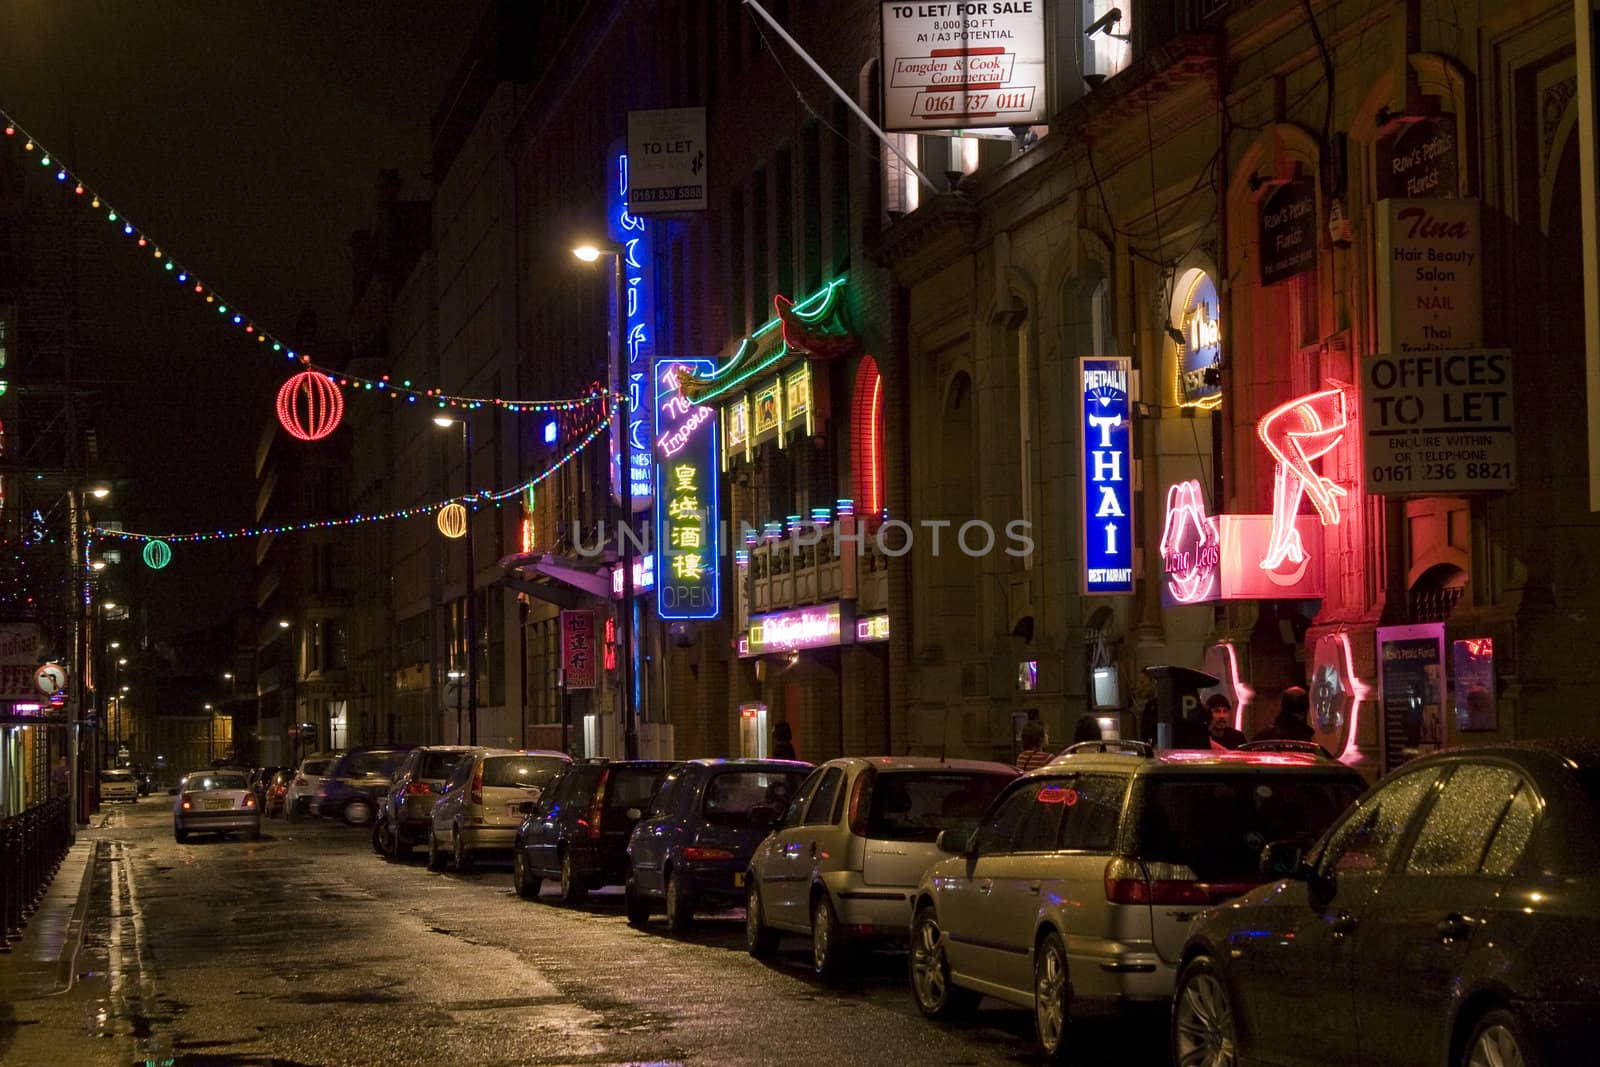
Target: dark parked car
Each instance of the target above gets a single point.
(691, 849)
(357, 780)
(1450, 918)
(404, 811)
(260, 782)
(578, 832)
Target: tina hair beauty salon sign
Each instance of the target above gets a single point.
(1430, 275)
(1106, 426)
(688, 540)
(966, 64)
(1438, 423)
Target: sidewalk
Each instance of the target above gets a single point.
(43, 962)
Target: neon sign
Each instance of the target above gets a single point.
(644, 576)
(687, 475)
(632, 235)
(1191, 547)
(1199, 382)
(872, 628)
(1107, 447)
(1297, 434)
(788, 631)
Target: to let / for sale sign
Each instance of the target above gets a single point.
(960, 65)
(1438, 423)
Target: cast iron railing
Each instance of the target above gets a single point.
(32, 845)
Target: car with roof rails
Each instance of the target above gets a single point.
(482, 804)
(1283, 744)
(1079, 884)
(842, 863)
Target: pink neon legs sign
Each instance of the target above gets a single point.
(1191, 546)
(1297, 434)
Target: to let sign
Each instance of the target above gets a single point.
(1430, 275)
(950, 66)
(1438, 423)
(1106, 425)
(688, 543)
(667, 160)
(579, 649)
(1288, 231)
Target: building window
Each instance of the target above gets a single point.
(901, 192)
(868, 460)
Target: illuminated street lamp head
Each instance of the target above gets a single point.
(100, 492)
(587, 253)
(443, 421)
(208, 707)
(115, 644)
(227, 676)
(98, 565)
(283, 624)
(122, 661)
(124, 689)
(110, 606)
(453, 674)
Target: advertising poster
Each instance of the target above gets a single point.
(949, 66)
(1411, 679)
(1438, 423)
(1288, 231)
(579, 649)
(1430, 275)
(667, 157)
(1107, 436)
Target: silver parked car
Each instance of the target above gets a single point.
(1083, 878)
(485, 800)
(843, 862)
(301, 799)
(216, 802)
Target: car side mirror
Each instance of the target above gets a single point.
(1284, 859)
(954, 842)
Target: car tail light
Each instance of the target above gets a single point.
(476, 796)
(597, 806)
(1130, 882)
(697, 854)
(249, 800)
(187, 802)
(300, 780)
(861, 801)
(417, 788)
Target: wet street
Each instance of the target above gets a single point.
(306, 948)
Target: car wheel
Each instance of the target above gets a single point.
(1203, 1026)
(523, 880)
(828, 948)
(460, 853)
(936, 997)
(255, 835)
(1052, 997)
(358, 812)
(181, 835)
(760, 940)
(292, 811)
(680, 904)
(436, 858)
(379, 829)
(1498, 1041)
(637, 903)
(573, 891)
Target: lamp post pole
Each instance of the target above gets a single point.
(619, 355)
(472, 596)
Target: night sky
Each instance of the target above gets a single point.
(246, 137)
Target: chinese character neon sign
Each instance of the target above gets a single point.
(686, 474)
(632, 235)
(1297, 434)
(1107, 437)
(1191, 547)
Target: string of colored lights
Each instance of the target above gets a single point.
(404, 389)
(473, 500)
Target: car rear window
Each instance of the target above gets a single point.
(315, 766)
(436, 765)
(382, 761)
(217, 780)
(115, 776)
(916, 805)
(1216, 824)
(633, 787)
(532, 771)
(733, 797)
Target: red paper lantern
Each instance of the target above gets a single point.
(310, 406)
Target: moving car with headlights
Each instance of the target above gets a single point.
(356, 780)
(1450, 918)
(119, 784)
(301, 797)
(488, 794)
(842, 864)
(1080, 883)
(578, 830)
(405, 813)
(691, 849)
(216, 802)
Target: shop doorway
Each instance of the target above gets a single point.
(753, 731)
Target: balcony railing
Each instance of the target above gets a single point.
(788, 573)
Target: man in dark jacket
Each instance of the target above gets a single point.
(1291, 723)
(1222, 731)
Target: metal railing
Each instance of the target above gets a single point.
(32, 845)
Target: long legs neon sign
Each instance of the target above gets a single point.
(1297, 434)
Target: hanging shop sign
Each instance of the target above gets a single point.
(950, 66)
(20, 646)
(1206, 558)
(1472, 681)
(644, 576)
(631, 234)
(688, 544)
(1420, 159)
(579, 649)
(1411, 679)
(667, 153)
(1430, 275)
(1200, 355)
(816, 626)
(1191, 548)
(1287, 230)
(1106, 428)
(1438, 423)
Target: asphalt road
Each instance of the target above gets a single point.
(306, 948)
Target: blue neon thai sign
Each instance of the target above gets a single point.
(632, 234)
(1107, 428)
(688, 539)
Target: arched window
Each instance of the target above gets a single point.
(868, 461)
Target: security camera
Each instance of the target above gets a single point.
(1104, 22)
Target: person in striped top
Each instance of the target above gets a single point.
(1033, 753)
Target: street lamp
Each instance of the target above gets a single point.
(622, 500)
(471, 621)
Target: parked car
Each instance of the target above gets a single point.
(356, 781)
(691, 849)
(1081, 881)
(843, 863)
(301, 799)
(260, 782)
(1450, 918)
(118, 784)
(486, 798)
(216, 801)
(578, 830)
(144, 780)
(406, 811)
(277, 792)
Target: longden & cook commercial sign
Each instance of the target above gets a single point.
(972, 64)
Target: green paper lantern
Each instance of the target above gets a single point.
(157, 554)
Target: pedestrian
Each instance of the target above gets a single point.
(61, 777)
(1291, 723)
(1033, 752)
(783, 742)
(1223, 735)
(1087, 730)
